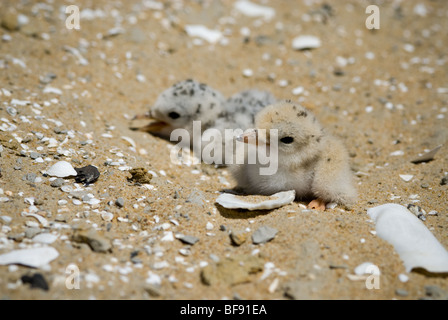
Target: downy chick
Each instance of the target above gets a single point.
(310, 161)
(180, 105)
(189, 100)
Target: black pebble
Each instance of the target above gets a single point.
(36, 281)
(87, 175)
(444, 181)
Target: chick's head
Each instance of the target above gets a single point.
(294, 126)
(185, 102)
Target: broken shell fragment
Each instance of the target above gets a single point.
(61, 169)
(428, 156)
(406, 177)
(34, 257)
(306, 42)
(277, 200)
(415, 244)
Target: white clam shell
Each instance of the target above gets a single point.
(34, 258)
(230, 201)
(416, 245)
(61, 169)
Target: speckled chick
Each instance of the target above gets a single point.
(183, 103)
(241, 108)
(189, 100)
(310, 161)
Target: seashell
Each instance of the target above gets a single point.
(42, 220)
(130, 141)
(306, 42)
(231, 201)
(34, 258)
(415, 244)
(428, 156)
(61, 169)
(46, 238)
(406, 177)
(254, 10)
(107, 216)
(200, 31)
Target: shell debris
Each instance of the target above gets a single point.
(276, 200)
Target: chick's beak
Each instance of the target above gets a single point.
(156, 126)
(153, 127)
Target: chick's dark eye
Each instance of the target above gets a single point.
(173, 115)
(287, 140)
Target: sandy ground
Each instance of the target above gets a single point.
(381, 91)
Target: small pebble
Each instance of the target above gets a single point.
(119, 202)
(5, 219)
(96, 242)
(36, 281)
(11, 111)
(403, 278)
(418, 211)
(401, 292)
(31, 177)
(238, 237)
(59, 182)
(34, 155)
(60, 218)
(88, 174)
(10, 21)
(31, 232)
(436, 292)
(444, 181)
(263, 234)
(188, 239)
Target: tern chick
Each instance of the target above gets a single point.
(181, 104)
(241, 108)
(189, 100)
(310, 161)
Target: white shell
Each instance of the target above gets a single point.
(34, 258)
(406, 177)
(305, 42)
(416, 245)
(428, 156)
(46, 238)
(251, 9)
(61, 169)
(200, 31)
(130, 141)
(107, 216)
(230, 201)
(42, 220)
